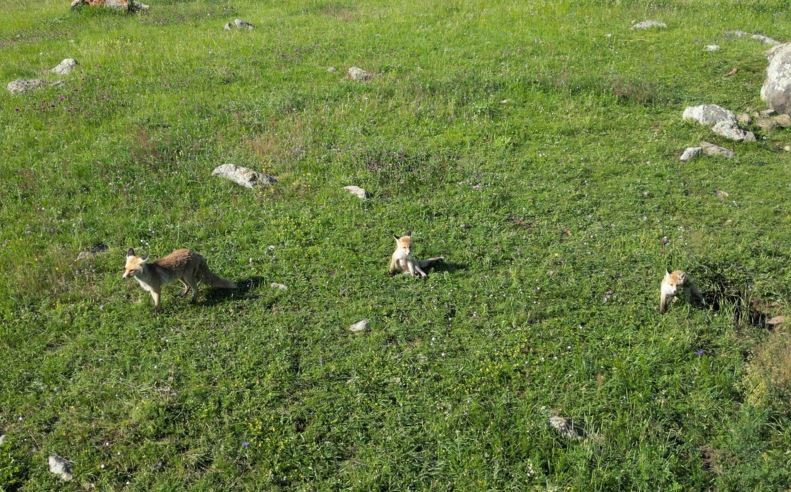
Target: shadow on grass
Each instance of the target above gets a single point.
(735, 292)
(242, 292)
(447, 266)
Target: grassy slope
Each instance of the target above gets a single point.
(452, 385)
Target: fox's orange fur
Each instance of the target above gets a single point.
(183, 265)
(403, 261)
(674, 283)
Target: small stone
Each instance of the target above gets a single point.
(722, 195)
(787, 148)
(690, 153)
(239, 24)
(607, 296)
(60, 467)
(565, 427)
(716, 151)
(332, 69)
(65, 67)
(711, 47)
(25, 85)
(731, 131)
(244, 176)
(765, 39)
(743, 119)
(357, 73)
(766, 124)
(356, 191)
(736, 34)
(649, 24)
(359, 326)
(96, 249)
(783, 120)
(708, 114)
(275, 285)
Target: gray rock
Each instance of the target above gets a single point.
(239, 24)
(649, 24)
(60, 467)
(783, 120)
(359, 326)
(731, 131)
(690, 153)
(722, 195)
(243, 176)
(712, 47)
(566, 428)
(275, 285)
(65, 67)
(765, 39)
(716, 151)
(708, 114)
(776, 91)
(357, 73)
(24, 85)
(357, 191)
(736, 34)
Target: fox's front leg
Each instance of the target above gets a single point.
(393, 268)
(419, 270)
(156, 295)
(664, 302)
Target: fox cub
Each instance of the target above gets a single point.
(184, 265)
(672, 284)
(403, 261)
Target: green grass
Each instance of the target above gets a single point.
(452, 385)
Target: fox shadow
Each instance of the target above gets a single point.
(243, 291)
(446, 266)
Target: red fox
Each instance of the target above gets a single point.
(674, 282)
(403, 261)
(184, 265)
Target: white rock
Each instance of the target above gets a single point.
(565, 427)
(708, 114)
(731, 131)
(24, 85)
(716, 151)
(243, 176)
(765, 39)
(357, 191)
(690, 153)
(239, 24)
(712, 47)
(776, 91)
(359, 326)
(65, 67)
(649, 24)
(736, 34)
(357, 73)
(332, 69)
(275, 285)
(60, 467)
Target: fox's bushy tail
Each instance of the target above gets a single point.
(208, 277)
(431, 262)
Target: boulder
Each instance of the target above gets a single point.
(690, 153)
(358, 74)
(776, 91)
(731, 131)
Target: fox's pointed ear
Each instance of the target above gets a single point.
(667, 272)
(408, 233)
(396, 237)
(131, 252)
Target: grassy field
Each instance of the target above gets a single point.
(533, 144)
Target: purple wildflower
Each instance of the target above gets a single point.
(700, 352)
(245, 444)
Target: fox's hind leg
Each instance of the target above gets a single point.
(155, 295)
(186, 288)
(192, 284)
